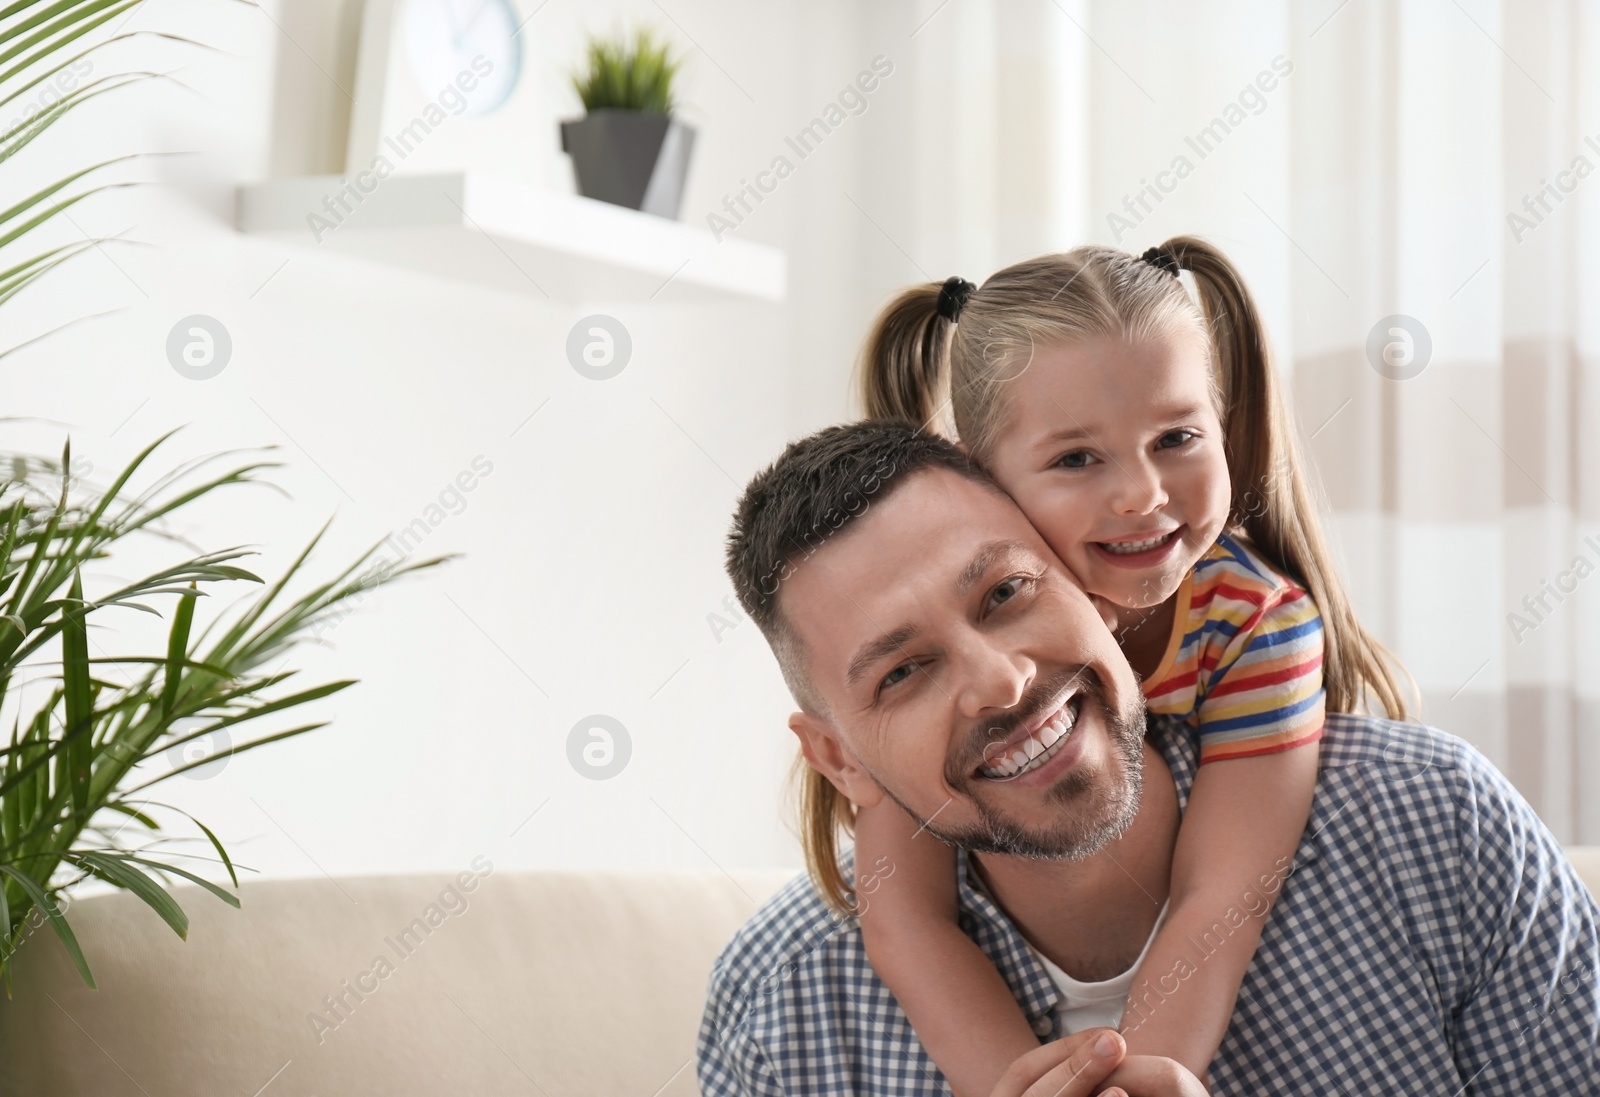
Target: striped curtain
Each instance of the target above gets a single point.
(1446, 171)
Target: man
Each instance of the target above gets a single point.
(1429, 936)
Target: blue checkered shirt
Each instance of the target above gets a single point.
(1431, 938)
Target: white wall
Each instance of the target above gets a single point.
(593, 549)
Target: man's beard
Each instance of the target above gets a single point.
(1094, 812)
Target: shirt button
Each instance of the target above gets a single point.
(1043, 1025)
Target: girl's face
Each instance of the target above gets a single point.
(1113, 449)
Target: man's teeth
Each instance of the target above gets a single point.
(1125, 548)
(1036, 749)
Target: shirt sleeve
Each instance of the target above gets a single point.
(1527, 1019)
(1263, 694)
(728, 1063)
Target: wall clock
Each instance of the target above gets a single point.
(461, 85)
(446, 37)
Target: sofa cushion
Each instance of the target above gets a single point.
(1586, 859)
(504, 983)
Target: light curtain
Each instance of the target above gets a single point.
(1437, 161)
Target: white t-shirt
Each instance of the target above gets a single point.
(1088, 1005)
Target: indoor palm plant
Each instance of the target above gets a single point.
(48, 50)
(85, 727)
(629, 149)
(83, 735)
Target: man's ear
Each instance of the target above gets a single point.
(832, 757)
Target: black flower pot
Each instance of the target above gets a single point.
(630, 158)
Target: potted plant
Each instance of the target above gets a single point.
(628, 149)
(89, 733)
(84, 732)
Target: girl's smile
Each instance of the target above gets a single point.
(1139, 550)
(1113, 449)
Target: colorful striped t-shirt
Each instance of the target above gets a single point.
(1244, 664)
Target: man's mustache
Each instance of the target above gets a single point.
(993, 731)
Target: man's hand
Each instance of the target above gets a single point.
(1095, 1061)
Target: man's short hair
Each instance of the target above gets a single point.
(815, 489)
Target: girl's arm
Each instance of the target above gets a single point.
(961, 1009)
(1237, 843)
(1258, 703)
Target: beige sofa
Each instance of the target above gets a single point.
(495, 983)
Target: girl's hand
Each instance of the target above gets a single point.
(1153, 1076)
(1073, 1066)
(1095, 1061)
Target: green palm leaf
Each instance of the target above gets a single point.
(45, 47)
(82, 725)
(72, 758)
(37, 896)
(118, 871)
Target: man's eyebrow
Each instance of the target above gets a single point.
(980, 564)
(887, 644)
(895, 639)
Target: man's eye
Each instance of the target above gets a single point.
(1174, 438)
(1077, 459)
(1007, 590)
(898, 674)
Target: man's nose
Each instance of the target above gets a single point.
(994, 677)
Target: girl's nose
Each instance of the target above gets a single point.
(1138, 490)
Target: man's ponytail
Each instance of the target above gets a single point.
(905, 364)
(1272, 498)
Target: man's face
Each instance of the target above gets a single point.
(968, 675)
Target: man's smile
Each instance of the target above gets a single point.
(1031, 748)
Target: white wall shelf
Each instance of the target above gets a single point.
(473, 228)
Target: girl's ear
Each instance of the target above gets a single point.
(827, 753)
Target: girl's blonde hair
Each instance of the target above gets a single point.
(824, 813)
(916, 359)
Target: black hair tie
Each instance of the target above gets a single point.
(1162, 259)
(953, 297)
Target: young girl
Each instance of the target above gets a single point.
(1142, 433)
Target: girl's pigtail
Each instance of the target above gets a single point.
(824, 813)
(1272, 498)
(905, 364)
(1245, 376)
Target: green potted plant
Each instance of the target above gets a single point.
(83, 733)
(90, 733)
(628, 148)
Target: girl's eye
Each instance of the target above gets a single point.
(1077, 459)
(1174, 438)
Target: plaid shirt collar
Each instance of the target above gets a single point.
(999, 937)
(1439, 943)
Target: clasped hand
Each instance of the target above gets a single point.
(1096, 1061)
